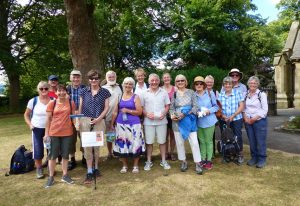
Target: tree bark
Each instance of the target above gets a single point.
(83, 40)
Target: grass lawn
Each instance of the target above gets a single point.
(225, 184)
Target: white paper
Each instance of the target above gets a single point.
(92, 139)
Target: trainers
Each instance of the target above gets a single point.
(184, 166)
(67, 179)
(251, 162)
(49, 182)
(39, 173)
(148, 165)
(240, 160)
(202, 163)
(261, 164)
(89, 178)
(208, 165)
(97, 173)
(165, 165)
(199, 169)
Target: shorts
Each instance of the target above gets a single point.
(37, 143)
(60, 146)
(85, 127)
(158, 131)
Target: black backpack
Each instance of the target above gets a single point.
(21, 161)
(228, 145)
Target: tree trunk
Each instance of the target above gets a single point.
(83, 41)
(14, 92)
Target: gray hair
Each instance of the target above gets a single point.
(227, 79)
(109, 73)
(255, 78)
(209, 77)
(130, 80)
(152, 76)
(42, 84)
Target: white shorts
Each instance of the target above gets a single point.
(152, 131)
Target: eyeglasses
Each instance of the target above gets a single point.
(234, 75)
(94, 78)
(199, 83)
(41, 89)
(181, 80)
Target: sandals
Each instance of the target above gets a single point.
(124, 170)
(135, 169)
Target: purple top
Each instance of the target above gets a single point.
(254, 106)
(129, 104)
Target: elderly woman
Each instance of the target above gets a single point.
(129, 141)
(232, 106)
(255, 118)
(59, 131)
(205, 105)
(184, 123)
(94, 105)
(166, 78)
(35, 117)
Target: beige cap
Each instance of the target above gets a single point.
(76, 72)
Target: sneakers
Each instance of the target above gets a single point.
(251, 162)
(202, 163)
(261, 164)
(184, 166)
(240, 160)
(39, 173)
(89, 178)
(49, 182)
(67, 179)
(199, 170)
(165, 165)
(208, 165)
(72, 164)
(124, 170)
(148, 165)
(135, 170)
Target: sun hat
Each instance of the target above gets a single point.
(76, 72)
(235, 70)
(199, 79)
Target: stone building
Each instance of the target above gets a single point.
(287, 70)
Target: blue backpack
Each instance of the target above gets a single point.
(21, 161)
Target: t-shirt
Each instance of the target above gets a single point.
(39, 113)
(61, 124)
(52, 94)
(116, 95)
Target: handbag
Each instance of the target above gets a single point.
(219, 112)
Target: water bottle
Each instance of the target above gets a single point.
(124, 117)
(47, 143)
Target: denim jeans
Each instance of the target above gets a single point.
(236, 127)
(257, 135)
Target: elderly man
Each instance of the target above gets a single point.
(116, 94)
(74, 91)
(237, 76)
(53, 82)
(155, 102)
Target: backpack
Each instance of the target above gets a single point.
(228, 145)
(21, 161)
(35, 99)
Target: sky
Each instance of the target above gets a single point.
(267, 9)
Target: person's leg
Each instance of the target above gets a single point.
(260, 128)
(252, 143)
(72, 163)
(149, 136)
(236, 127)
(54, 151)
(161, 132)
(201, 137)
(149, 151)
(136, 161)
(180, 146)
(65, 147)
(38, 146)
(195, 147)
(172, 145)
(124, 162)
(208, 138)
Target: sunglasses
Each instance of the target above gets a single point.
(234, 75)
(94, 78)
(41, 89)
(182, 80)
(199, 83)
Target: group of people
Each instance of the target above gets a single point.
(140, 114)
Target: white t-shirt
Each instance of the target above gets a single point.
(39, 113)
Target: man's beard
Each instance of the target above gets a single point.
(111, 83)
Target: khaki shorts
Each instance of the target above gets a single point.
(158, 131)
(85, 126)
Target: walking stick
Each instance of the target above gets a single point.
(94, 160)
